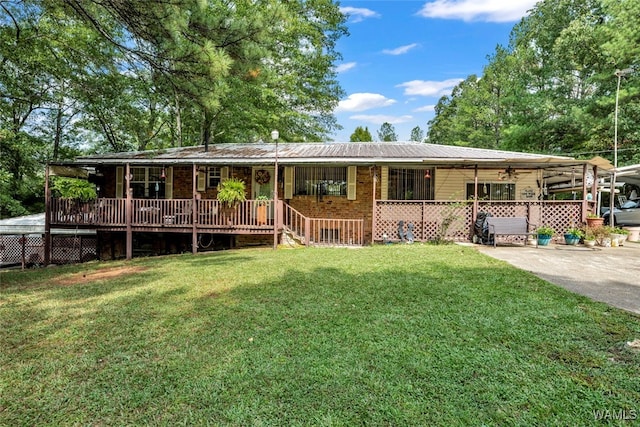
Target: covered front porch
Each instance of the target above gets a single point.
(454, 220)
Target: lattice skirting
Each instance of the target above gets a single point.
(28, 250)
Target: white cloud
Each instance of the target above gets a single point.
(345, 67)
(357, 14)
(378, 119)
(400, 50)
(425, 109)
(477, 10)
(364, 101)
(429, 88)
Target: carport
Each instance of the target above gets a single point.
(22, 243)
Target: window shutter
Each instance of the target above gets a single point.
(202, 180)
(351, 182)
(119, 182)
(384, 183)
(224, 173)
(168, 183)
(288, 182)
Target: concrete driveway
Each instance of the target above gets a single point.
(609, 275)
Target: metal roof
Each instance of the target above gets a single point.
(34, 224)
(328, 152)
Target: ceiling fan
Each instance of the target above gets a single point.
(510, 174)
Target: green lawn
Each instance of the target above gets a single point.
(384, 335)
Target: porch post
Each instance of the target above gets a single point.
(374, 220)
(474, 213)
(194, 210)
(128, 211)
(47, 218)
(584, 192)
(594, 188)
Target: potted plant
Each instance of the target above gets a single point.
(573, 235)
(593, 220)
(619, 236)
(589, 238)
(231, 192)
(602, 235)
(76, 196)
(545, 233)
(261, 209)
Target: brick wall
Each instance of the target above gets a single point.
(340, 207)
(183, 182)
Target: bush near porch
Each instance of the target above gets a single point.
(389, 334)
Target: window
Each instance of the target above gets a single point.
(147, 183)
(320, 181)
(409, 184)
(493, 191)
(213, 176)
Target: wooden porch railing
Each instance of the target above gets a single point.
(109, 212)
(210, 215)
(324, 231)
(453, 220)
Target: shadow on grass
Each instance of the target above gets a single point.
(380, 338)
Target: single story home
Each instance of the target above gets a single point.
(164, 201)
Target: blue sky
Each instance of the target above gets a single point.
(402, 56)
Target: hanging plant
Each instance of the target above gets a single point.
(231, 192)
(263, 176)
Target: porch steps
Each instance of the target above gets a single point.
(290, 238)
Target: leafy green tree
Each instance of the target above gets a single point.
(361, 135)
(552, 89)
(248, 66)
(417, 134)
(469, 118)
(387, 133)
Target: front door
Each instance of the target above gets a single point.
(262, 182)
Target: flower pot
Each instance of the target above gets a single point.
(619, 238)
(595, 222)
(570, 239)
(261, 213)
(634, 233)
(544, 239)
(590, 243)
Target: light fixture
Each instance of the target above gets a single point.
(427, 174)
(162, 174)
(508, 174)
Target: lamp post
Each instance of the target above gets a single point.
(275, 135)
(619, 74)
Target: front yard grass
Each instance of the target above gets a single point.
(383, 335)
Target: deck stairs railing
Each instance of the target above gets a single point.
(321, 231)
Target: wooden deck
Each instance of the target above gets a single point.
(160, 215)
(429, 219)
(204, 216)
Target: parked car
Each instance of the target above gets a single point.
(627, 214)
